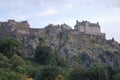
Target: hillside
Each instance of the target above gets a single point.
(75, 47)
(57, 52)
(83, 49)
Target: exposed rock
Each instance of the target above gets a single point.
(76, 47)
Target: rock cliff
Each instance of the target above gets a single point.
(76, 48)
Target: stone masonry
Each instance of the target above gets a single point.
(88, 28)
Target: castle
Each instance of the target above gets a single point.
(30, 36)
(16, 29)
(87, 27)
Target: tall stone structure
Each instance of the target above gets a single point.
(87, 27)
(83, 45)
(29, 37)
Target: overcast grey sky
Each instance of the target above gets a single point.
(40, 13)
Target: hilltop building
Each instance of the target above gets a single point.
(30, 36)
(87, 27)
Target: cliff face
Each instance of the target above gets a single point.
(76, 48)
(84, 49)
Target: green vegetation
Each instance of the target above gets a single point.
(48, 73)
(50, 25)
(7, 46)
(77, 74)
(116, 77)
(16, 61)
(47, 65)
(45, 56)
(9, 75)
(98, 71)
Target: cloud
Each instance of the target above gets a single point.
(21, 3)
(18, 15)
(13, 3)
(67, 6)
(48, 12)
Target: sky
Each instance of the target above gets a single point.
(40, 13)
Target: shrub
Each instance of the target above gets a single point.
(98, 71)
(9, 75)
(43, 55)
(21, 70)
(116, 77)
(48, 73)
(16, 61)
(4, 61)
(7, 46)
(78, 74)
(59, 77)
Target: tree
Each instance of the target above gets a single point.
(9, 75)
(78, 74)
(16, 61)
(14, 76)
(48, 73)
(116, 77)
(43, 55)
(4, 61)
(7, 46)
(98, 71)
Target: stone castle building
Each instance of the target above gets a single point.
(24, 27)
(88, 28)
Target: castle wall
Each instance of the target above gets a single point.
(93, 30)
(74, 32)
(88, 30)
(36, 32)
(82, 28)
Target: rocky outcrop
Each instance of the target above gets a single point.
(75, 47)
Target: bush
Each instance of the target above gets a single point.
(116, 77)
(48, 73)
(33, 71)
(7, 46)
(14, 76)
(78, 74)
(9, 75)
(61, 62)
(16, 61)
(21, 70)
(98, 71)
(59, 77)
(4, 61)
(43, 55)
